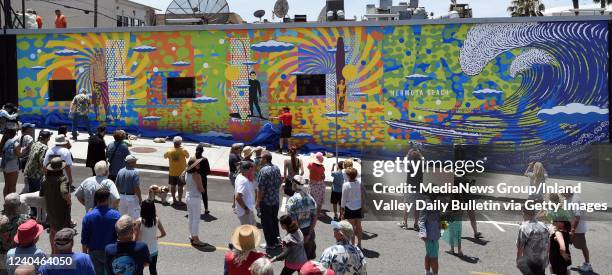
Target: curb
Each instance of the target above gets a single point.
(213, 172)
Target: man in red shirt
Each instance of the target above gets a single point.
(60, 20)
(286, 119)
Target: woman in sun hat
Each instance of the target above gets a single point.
(317, 180)
(194, 187)
(55, 189)
(243, 253)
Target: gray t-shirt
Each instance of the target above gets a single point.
(533, 238)
(127, 179)
(294, 243)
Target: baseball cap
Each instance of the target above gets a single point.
(130, 158)
(344, 227)
(45, 133)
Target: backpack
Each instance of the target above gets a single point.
(183, 178)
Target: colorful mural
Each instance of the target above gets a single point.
(508, 83)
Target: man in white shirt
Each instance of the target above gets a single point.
(578, 231)
(244, 194)
(61, 150)
(86, 191)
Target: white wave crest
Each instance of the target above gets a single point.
(529, 58)
(574, 108)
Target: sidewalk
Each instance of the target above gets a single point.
(151, 155)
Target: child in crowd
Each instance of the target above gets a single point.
(145, 229)
(559, 251)
(429, 232)
(293, 246)
(336, 195)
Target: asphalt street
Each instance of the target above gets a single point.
(389, 249)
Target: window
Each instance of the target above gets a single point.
(119, 20)
(132, 22)
(181, 87)
(62, 90)
(311, 85)
(125, 21)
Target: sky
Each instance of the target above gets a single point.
(480, 8)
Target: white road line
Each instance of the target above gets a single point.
(154, 171)
(494, 223)
(502, 223)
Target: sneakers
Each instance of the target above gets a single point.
(586, 267)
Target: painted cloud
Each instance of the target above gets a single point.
(573, 113)
(272, 46)
(215, 134)
(66, 52)
(204, 99)
(181, 63)
(124, 78)
(144, 49)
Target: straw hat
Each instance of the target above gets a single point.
(193, 162)
(60, 140)
(246, 237)
(56, 164)
(247, 151)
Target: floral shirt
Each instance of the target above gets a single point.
(34, 167)
(269, 181)
(8, 231)
(302, 207)
(80, 104)
(345, 259)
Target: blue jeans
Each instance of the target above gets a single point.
(76, 118)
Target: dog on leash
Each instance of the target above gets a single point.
(159, 191)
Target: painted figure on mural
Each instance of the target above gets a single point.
(341, 94)
(254, 94)
(100, 96)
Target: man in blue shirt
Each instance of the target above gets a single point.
(128, 184)
(116, 153)
(268, 200)
(99, 230)
(126, 256)
(81, 263)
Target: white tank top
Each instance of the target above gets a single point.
(192, 189)
(148, 235)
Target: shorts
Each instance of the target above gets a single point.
(352, 214)
(175, 180)
(579, 241)
(432, 248)
(285, 131)
(335, 197)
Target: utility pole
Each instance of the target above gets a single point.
(95, 13)
(23, 13)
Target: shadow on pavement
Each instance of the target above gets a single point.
(181, 207)
(207, 217)
(369, 235)
(582, 272)
(465, 258)
(476, 241)
(370, 253)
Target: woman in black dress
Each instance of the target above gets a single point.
(560, 257)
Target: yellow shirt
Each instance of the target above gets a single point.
(177, 158)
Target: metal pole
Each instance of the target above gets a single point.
(23, 13)
(336, 101)
(95, 13)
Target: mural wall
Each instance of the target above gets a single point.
(507, 83)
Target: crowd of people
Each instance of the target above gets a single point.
(119, 222)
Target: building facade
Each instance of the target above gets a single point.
(521, 82)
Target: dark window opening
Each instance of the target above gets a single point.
(181, 87)
(119, 20)
(311, 85)
(62, 90)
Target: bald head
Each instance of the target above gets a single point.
(25, 270)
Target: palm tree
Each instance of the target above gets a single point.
(526, 8)
(604, 4)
